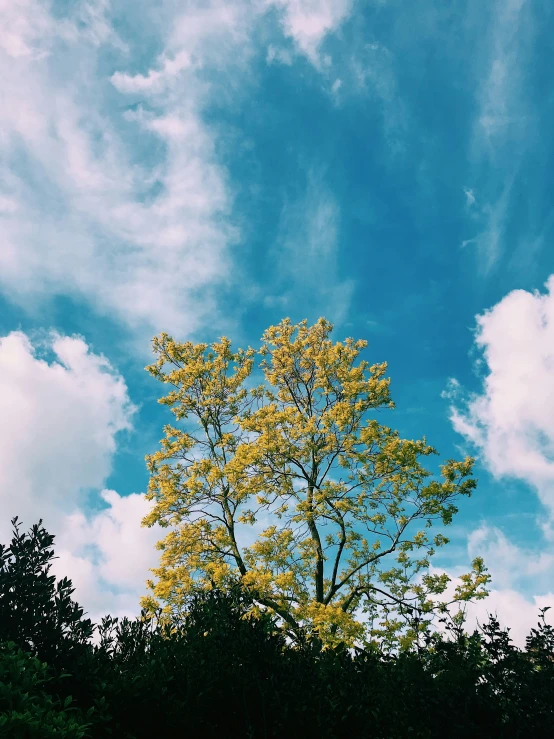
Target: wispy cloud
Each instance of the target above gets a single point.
(490, 219)
(307, 23)
(110, 185)
(137, 239)
(470, 196)
(306, 255)
(503, 124)
(372, 71)
(503, 106)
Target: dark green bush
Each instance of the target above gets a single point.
(217, 673)
(27, 710)
(36, 612)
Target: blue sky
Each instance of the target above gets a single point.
(207, 168)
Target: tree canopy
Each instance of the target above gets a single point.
(279, 475)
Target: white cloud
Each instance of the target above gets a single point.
(512, 609)
(25, 26)
(108, 555)
(307, 23)
(511, 422)
(62, 408)
(157, 79)
(510, 566)
(60, 421)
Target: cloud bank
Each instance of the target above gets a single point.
(63, 408)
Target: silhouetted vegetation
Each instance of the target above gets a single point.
(221, 673)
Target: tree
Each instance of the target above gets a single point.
(295, 489)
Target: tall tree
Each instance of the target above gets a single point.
(293, 487)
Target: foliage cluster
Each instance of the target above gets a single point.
(220, 672)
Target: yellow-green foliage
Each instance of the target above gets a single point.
(294, 487)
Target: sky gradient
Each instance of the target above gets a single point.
(208, 168)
